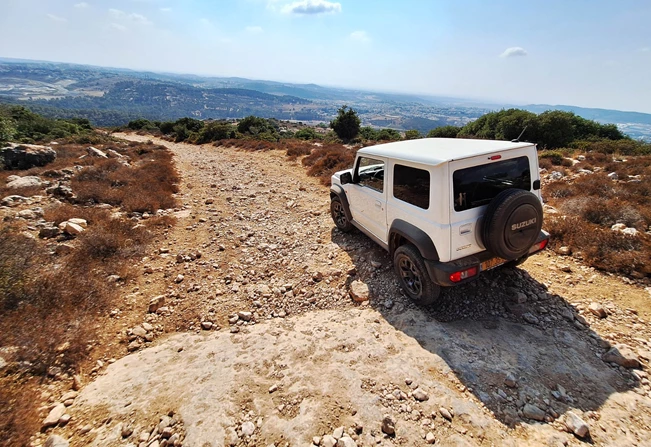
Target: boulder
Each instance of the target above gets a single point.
(60, 191)
(48, 232)
(576, 425)
(53, 417)
(26, 156)
(29, 181)
(71, 228)
(623, 356)
(156, 303)
(93, 152)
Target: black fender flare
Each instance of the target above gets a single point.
(338, 191)
(415, 236)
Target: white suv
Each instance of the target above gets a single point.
(445, 209)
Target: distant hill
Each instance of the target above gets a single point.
(601, 115)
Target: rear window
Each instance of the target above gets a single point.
(411, 185)
(478, 185)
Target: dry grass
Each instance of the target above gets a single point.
(594, 202)
(18, 405)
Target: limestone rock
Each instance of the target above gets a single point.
(622, 355)
(56, 441)
(53, 417)
(576, 425)
(29, 181)
(156, 303)
(248, 428)
(420, 395)
(71, 228)
(93, 152)
(25, 156)
(359, 291)
(346, 441)
(328, 441)
(598, 310)
(531, 411)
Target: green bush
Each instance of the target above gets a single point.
(444, 132)
(307, 133)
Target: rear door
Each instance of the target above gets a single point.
(475, 182)
(367, 195)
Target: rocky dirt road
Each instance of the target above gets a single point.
(242, 332)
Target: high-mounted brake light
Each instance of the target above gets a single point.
(463, 274)
(495, 157)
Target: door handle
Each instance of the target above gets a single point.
(378, 204)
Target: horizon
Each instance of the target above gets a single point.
(586, 54)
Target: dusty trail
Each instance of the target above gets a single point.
(254, 237)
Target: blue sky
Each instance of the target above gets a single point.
(591, 53)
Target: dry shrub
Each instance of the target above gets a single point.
(18, 415)
(146, 186)
(325, 161)
(602, 248)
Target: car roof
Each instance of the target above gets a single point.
(435, 151)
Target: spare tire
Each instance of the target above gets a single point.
(512, 223)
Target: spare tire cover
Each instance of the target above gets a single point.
(512, 223)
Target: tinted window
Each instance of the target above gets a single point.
(411, 185)
(371, 173)
(476, 186)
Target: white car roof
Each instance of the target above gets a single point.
(435, 151)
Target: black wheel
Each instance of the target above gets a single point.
(512, 223)
(414, 279)
(338, 214)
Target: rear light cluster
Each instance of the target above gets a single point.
(539, 246)
(463, 274)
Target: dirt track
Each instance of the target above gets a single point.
(255, 236)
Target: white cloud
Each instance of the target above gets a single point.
(138, 19)
(82, 5)
(254, 29)
(57, 18)
(513, 52)
(117, 26)
(166, 9)
(360, 36)
(312, 7)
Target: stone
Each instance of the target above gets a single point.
(622, 355)
(243, 315)
(555, 175)
(148, 327)
(156, 303)
(316, 440)
(445, 413)
(389, 425)
(429, 438)
(273, 388)
(139, 331)
(420, 395)
(338, 433)
(576, 425)
(60, 190)
(618, 227)
(565, 251)
(94, 152)
(530, 318)
(179, 278)
(77, 221)
(206, 325)
(248, 428)
(77, 383)
(359, 291)
(598, 310)
(346, 441)
(71, 228)
(56, 441)
(630, 231)
(531, 411)
(510, 381)
(27, 215)
(48, 232)
(63, 420)
(328, 441)
(69, 395)
(26, 156)
(30, 181)
(613, 176)
(53, 416)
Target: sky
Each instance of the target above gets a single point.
(590, 53)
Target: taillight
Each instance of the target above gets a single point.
(539, 246)
(463, 274)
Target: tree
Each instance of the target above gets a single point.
(368, 133)
(412, 134)
(307, 133)
(347, 124)
(444, 132)
(388, 135)
(216, 130)
(7, 129)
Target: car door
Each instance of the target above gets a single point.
(367, 195)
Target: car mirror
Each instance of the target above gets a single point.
(345, 178)
(536, 185)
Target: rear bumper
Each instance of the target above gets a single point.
(440, 272)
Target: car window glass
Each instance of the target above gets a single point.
(478, 185)
(411, 185)
(371, 173)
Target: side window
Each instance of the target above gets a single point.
(478, 185)
(411, 185)
(370, 173)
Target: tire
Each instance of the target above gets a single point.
(413, 276)
(512, 223)
(338, 213)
